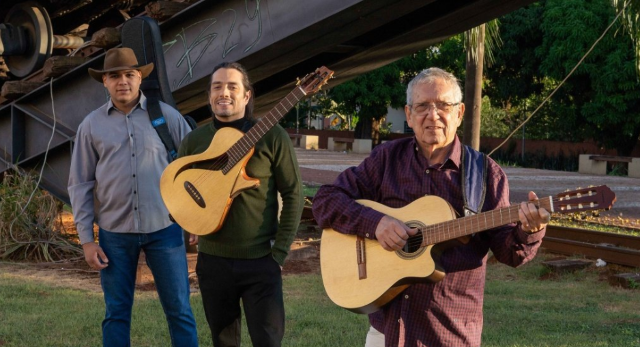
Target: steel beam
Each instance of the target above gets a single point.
(276, 40)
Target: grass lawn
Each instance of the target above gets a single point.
(523, 307)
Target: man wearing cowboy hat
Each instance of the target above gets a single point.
(117, 162)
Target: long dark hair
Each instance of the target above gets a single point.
(248, 110)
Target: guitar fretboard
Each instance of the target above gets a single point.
(453, 229)
(249, 140)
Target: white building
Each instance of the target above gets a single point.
(398, 121)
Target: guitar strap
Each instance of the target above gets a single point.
(160, 124)
(142, 35)
(474, 180)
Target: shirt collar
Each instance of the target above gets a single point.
(142, 103)
(456, 153)
(454, 156)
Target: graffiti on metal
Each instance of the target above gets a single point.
(199, 38)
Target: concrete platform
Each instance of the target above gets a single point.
(322, 167)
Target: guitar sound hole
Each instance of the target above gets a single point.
(413, 244)
(413, 248)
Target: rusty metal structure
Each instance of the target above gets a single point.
(277, 41)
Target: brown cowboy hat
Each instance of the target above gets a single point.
(118, 59)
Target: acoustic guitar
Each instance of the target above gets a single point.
(360, 276)
(198, 199)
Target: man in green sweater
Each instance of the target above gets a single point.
(243, 260)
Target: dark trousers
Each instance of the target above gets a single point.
(258, 282)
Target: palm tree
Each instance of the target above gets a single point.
(631, 15)
(479, 40)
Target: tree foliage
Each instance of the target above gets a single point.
(514, 76)
(631, 21)
(369, 95)
(600, 101)
(541, 44)
(604, 90)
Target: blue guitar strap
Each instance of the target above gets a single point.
(160, 124)
(474, 180)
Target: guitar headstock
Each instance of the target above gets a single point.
(592, 198)
(312, 82)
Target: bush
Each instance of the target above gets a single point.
(30, 224)
(536, 160)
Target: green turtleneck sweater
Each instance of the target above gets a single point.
(251, 228)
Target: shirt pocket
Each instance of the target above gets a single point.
(150, 142)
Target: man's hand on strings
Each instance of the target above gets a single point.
(393, 234)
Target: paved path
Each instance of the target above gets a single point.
(322, 167)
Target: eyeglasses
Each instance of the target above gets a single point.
(441, 106)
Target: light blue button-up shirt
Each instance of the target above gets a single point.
(115, 170)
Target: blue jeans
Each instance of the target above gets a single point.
(166, 257)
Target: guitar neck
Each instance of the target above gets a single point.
(453, 229)
(249, 140)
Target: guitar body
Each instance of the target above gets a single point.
(359, 275)
(181, 185)
(387, 273)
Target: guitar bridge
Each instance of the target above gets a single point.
(194, 194)
(362, 258)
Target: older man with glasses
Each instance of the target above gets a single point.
(449, 312)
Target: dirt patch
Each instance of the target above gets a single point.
(318, 177)
(74, 274)
(303, 258)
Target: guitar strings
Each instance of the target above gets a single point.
(445, 231)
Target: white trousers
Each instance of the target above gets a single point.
(374, 338)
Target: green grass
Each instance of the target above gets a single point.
(574, 309)
(526, 307)
(506, 163)
(37, 314)
(309, 190)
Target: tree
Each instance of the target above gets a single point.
(370, 95)
(476, 41)
(604, 90)
(473, 86)
(318, 105)
(631, 21)
(543, 43)
(514, 77)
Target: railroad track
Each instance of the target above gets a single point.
(612, 248)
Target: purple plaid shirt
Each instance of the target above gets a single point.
(447, 313)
